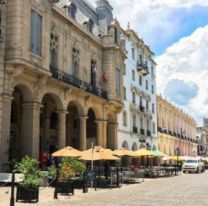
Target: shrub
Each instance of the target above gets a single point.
(69, 167)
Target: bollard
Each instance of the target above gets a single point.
(117, 173)
(85, 188)
(12, 190)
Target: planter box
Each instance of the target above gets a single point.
(64, 188)
(27, 194)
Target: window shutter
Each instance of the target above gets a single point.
(38, 33)
(32, 32)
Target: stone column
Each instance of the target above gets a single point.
(104, 134)
(99, 139)
(83, 133)
(5, 133)
(61, 129)
(112, 135)
(31, 129)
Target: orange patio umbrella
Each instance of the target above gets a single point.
(67, 152)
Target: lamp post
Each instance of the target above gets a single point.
(176, 165)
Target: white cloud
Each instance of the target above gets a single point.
(187, 60)
(154, 20)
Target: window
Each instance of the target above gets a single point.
(53, 52)
(124, 118)
(146, 86)
(133, 97)
(152, 71)
(141, 123)
(118, 82)
(147, 105)
(140, 101)
(75, 62)
(152, 89)
(133, 75)
(140, 80)
(90, 25)
(133, 52)
(153, 128)
(72, 11)
(124, 70)
(124, 92)
(116, 35)
(140, 59)
(93, 73)
(134, 120)
(153, 108)
(35, 33)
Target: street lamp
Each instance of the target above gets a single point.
(176, 165)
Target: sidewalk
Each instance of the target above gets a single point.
(46, 195)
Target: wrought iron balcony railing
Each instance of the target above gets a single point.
(143, 68)
(76, 82)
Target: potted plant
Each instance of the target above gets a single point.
(28, 189)
(69, 167)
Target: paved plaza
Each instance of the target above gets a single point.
(184, 190)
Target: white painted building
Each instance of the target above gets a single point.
(137, 124)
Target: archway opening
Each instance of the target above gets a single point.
(91, 128)
(72, 126)
(15, 147)
(48, 125)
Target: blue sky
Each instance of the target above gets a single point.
(177, 32)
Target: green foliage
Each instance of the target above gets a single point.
(52, 172)
(32, 174)
(30, 169)
(69, 167)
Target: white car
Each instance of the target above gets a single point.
(193, 165)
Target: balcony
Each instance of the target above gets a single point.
(142, 131)
(170, 132)
(135, 129)
(142, 109)
(74, 81)
(148, 133)
(142, 68)
(160, 129)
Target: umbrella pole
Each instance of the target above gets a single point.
(92, 157)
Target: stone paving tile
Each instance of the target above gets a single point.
(184, 190)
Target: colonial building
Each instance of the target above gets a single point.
(61, 66)
(137, 122)
(176, 130)
(202, 135)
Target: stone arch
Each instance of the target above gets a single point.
(55, 96)
(125, 145)
(26, 90)
(134, 146)
(78, 105)
(97, 112)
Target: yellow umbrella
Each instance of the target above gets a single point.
(176, 158)
(143, 152)
(97, 153)
(67, 152)
(123, 152)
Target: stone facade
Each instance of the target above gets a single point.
(202, 135)
(62, 88)
(137, 122)
(176, 129)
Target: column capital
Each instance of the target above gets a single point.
(61, 112)
(101, 120)
(32, 104)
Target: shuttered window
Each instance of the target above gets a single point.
(118, 79)
(35, 33)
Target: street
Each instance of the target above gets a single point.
(184, 190)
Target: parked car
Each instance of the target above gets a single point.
(193, 165)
